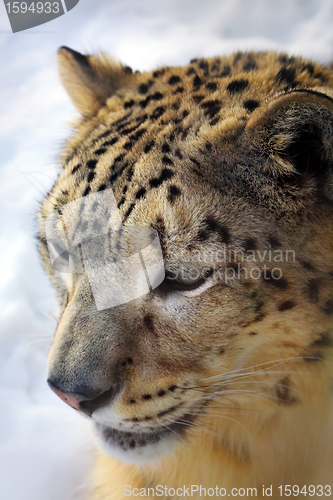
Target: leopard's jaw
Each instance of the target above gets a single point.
(142, 446)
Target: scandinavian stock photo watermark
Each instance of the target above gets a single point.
(126, 263)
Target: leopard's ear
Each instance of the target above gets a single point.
(295, 133)
(89, 80)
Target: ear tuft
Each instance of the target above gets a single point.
(90, 80)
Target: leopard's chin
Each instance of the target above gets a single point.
(142, 446)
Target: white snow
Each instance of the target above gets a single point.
(46, 448)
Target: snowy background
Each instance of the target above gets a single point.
(45, 447)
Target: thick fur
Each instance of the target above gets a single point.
(228, 383)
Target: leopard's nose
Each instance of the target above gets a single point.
(86, 401)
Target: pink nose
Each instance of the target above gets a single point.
(89, 402)
(72, 400)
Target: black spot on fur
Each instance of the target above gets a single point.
(157, 112)
(128, 104)
(280, 283)
(121, 202)
(222, 231)
(214, 121)
(251, 104)
(102, 187)
(165, 148)
(161, 393)
(211, 107)
(144, 103)
(164, 412)
(283, 391)
(139, 194)
(211, 86)
(250, 64)
(198, 168)
(165, 175)
(307, 265)
(226, 71)
(104, 134)
(190, 71)
(146, 397)
(148, 322)
(172, 388)
(132, 401)
(274, 242)
(286, 306)
(258, 302)
(91, 176)
(309, 68)
(111, 142)
(130, 173)
(178, 154)
(204, 66)
(202, 235)
(174, 79)
(197, 82)
(158, 73)
(138, 134)
(128, 145)
(100, 151)
(313, 290)
(128, 130)
(128, 70)
(157, 96)
(283, 58)
(129, 210)
(216, 65)
(173, 193)
(143, 88)
(166, 160)
(237, 86)
(76, 168)
(91, 164)
(148, 146)
(86, 191)
(237, 57)
(198, 98)
(117, 173)
(287, 75)
(118, 159)
(160, 228)
(324, 340)
(250, 244)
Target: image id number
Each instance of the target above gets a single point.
(311, 490)
(38, 7)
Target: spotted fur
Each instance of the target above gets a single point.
(228, 379)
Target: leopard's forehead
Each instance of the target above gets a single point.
(169, 125)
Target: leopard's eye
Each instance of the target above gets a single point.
(189, 281)
(184, 281)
